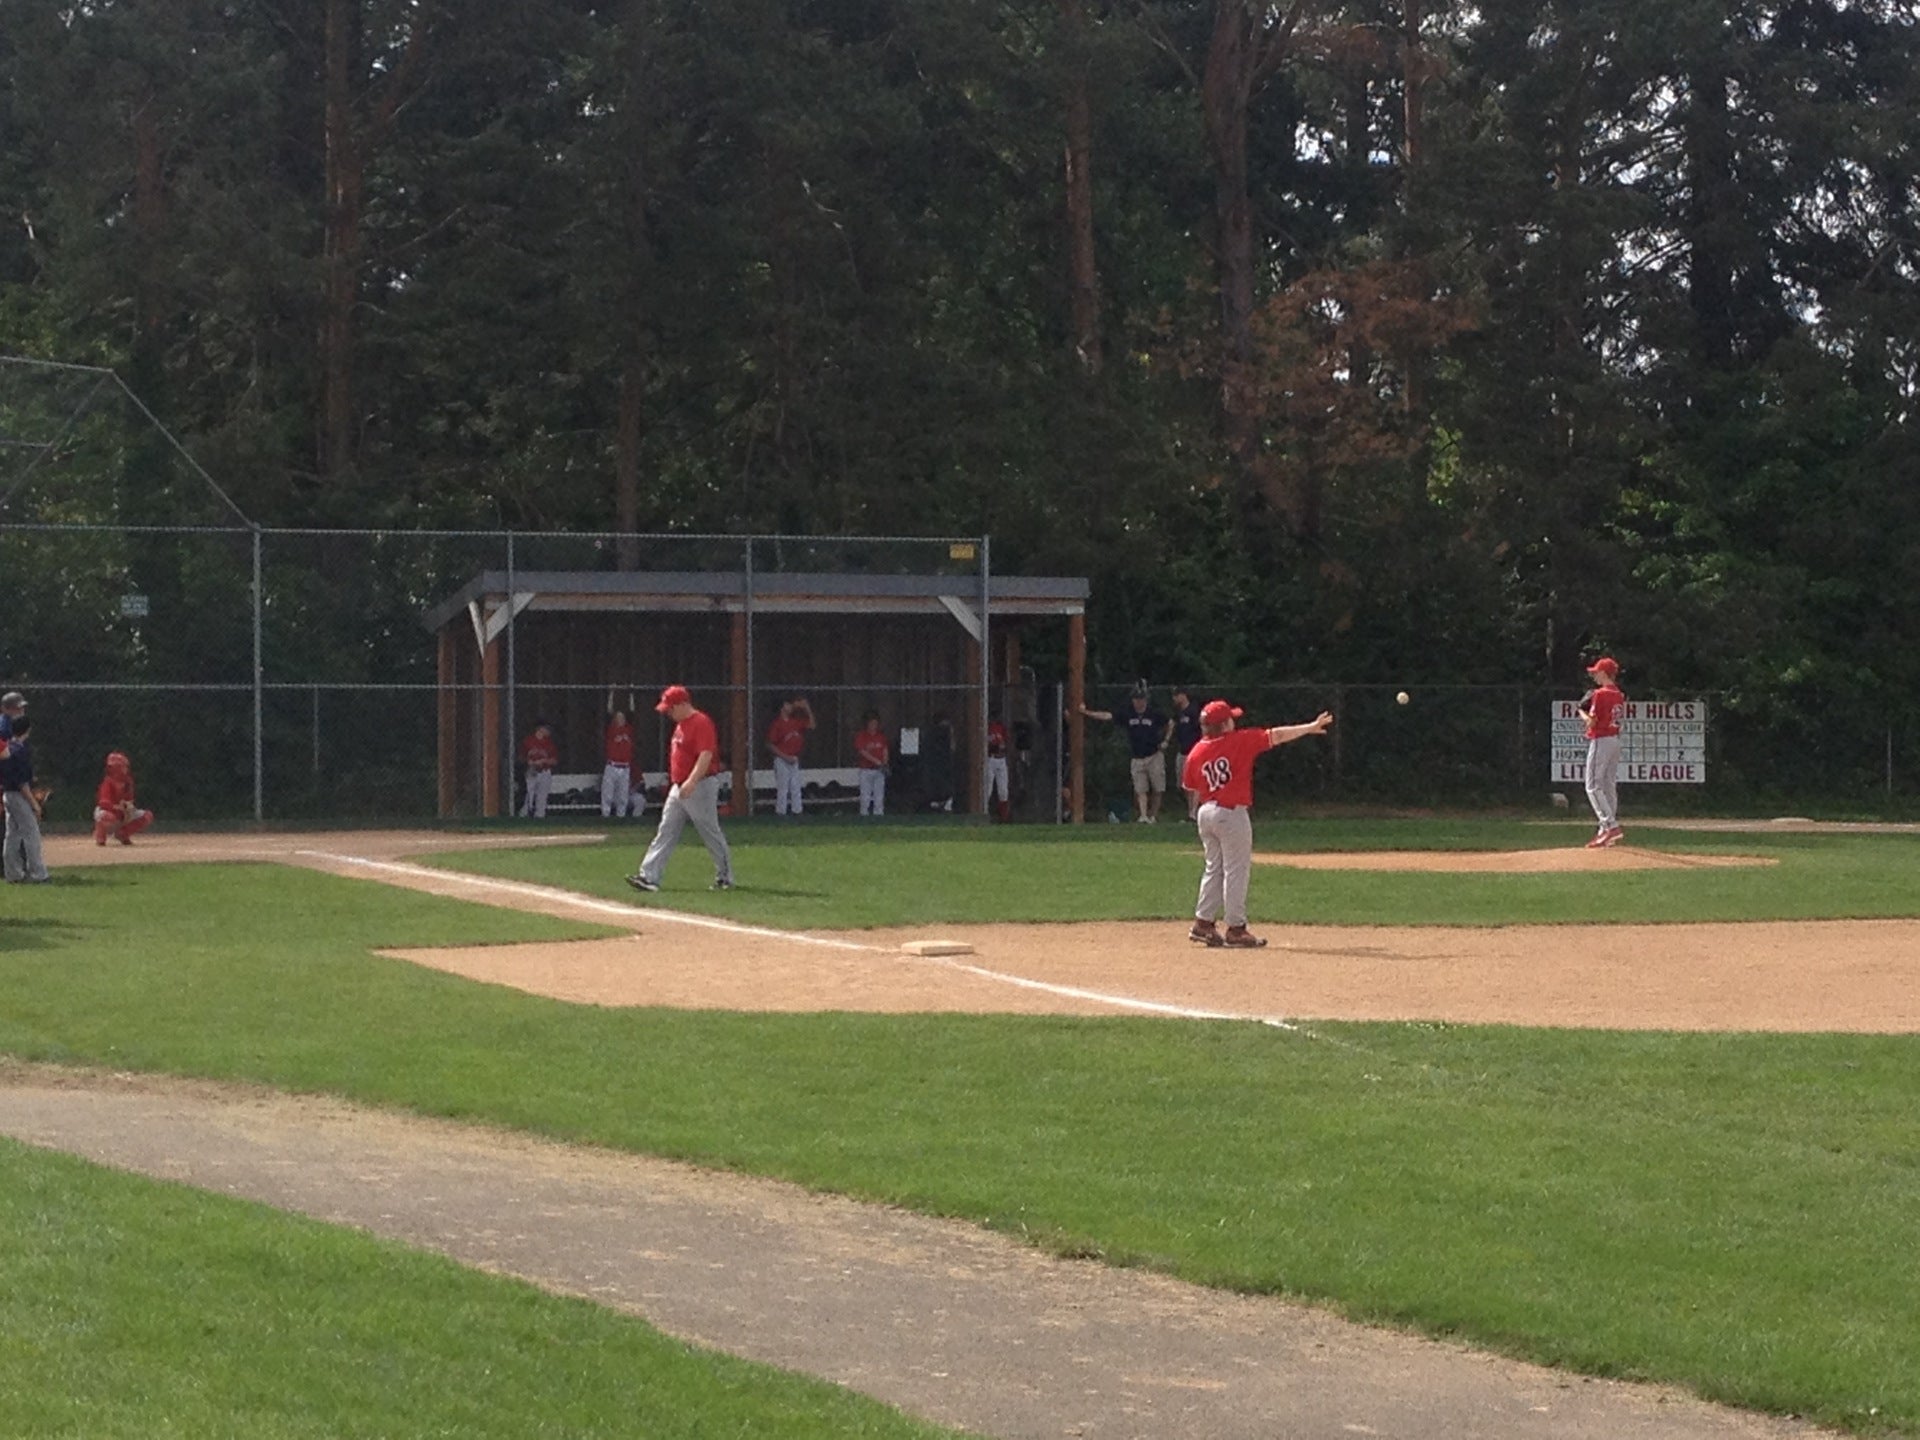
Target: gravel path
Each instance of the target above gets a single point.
(940, 1319)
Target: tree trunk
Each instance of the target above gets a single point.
(630, 425)
(1083, 268)
(1226, 95)
(1711, 206)
(345, 182)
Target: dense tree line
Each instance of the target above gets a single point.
(1332, 339)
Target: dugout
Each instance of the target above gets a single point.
(513, 646)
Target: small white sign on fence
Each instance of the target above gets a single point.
(1662, 742)
(133, 607)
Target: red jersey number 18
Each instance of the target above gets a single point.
(1217, 772)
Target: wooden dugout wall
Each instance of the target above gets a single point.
(906, 646)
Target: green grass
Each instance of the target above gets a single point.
(131, 1310)
(1732, 1213)
(835, 874)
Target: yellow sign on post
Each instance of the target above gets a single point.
(961, 552)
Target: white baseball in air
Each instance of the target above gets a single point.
(1402, 698)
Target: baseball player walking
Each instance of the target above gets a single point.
(692, 794)
(1602, 711)
(1220, 771)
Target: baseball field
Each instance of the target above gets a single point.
(1650, 1113)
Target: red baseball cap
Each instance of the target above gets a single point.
(1218, 712)
(671, 696)
(1605, 665)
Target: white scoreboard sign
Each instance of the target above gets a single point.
(1662, 742)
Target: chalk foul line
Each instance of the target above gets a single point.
(553, 895)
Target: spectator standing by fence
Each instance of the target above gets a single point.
(20, 853)
(1186, 735)
(13, 705)
(1148, 734)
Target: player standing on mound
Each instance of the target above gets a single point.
(1602, 710)
(1220, 773)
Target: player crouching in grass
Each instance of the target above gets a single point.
(1219, 772)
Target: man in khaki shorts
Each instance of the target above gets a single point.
(1148, 735)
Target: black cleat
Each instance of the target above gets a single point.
(640, 882)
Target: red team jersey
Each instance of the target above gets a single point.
(114, 791)
(1220, 767)
(620, 744)
(996, 738)
(539, 752)
(690, 737)
(870, 747)
(1603, 712)
(787, 737)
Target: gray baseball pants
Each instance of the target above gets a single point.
(1226, 838)
(1603, 780)
(701, 806)
(615, 782)
(786, 785)
(22, 859)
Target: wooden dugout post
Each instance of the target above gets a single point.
(1076, 722)
(490, 730)
(449, 721)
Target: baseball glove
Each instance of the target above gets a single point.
(38, 795)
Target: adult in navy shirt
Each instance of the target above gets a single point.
(1148, 735)
(20, 856)
(1186, 735)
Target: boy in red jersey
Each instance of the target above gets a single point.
(1219, 771)
(1602, 710)
(693, 794)
(997, 788)
(539, 754)
(115, 812)
(786, 738)
(616, 778)
(873, 755)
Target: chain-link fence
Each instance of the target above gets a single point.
(275, 674)
(1477, 745)
(307, 676)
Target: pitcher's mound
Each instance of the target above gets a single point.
(1512, 862)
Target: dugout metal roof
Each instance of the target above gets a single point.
(725, 591)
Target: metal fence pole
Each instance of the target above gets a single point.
(1060, 753)
(986, 674)
(511, 739)
(747, 700)
(259, 688)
